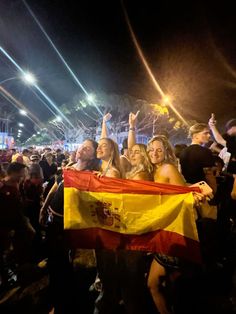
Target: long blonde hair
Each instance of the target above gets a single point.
(168, 149)
(144, 166)
(115, 155)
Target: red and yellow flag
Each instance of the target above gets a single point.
(129, 214)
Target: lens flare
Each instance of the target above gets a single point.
(148, 69)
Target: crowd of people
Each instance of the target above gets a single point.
(31, 215)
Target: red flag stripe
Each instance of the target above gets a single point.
(87, 181)
(160, 241)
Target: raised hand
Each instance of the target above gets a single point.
(212, 120)
(133, 118)
(107, 117)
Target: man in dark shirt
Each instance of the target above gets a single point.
(197, 164)
(196, 160)
(48, 166)
(59, 157)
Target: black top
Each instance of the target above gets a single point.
(230, 144)
(193, 159)
(57, 201)
(59, 159)
(48, 171)
(11, 211)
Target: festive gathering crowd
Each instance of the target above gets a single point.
(32, 207)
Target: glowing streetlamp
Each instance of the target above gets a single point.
(90, 98)
(166, 100)
(29, 78)
(23, 112)
(58, 119)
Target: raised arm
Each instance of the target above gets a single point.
(217, 136)
(132, 128)
(105, 119)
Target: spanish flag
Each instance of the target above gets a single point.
(107, 213)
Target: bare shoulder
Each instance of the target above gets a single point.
(171, 174)
(114, 173)
(168, 168)
(142, 175)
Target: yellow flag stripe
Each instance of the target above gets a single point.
(129, 213)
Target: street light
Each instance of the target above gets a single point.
(166, 99)
(58, 119)
(23, 112)
(27, 77)
(90, 98)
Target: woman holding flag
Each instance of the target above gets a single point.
(126, 279)
(164, 162)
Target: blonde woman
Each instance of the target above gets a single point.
(141, 168)
(108, 153)
(162, 157)
(124, 159)
(122, 273)
(164, 162)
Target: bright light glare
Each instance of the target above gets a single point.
(166, 99)
(38, 132)
(90, 98)
(23, 112)
(58, 119)
(21, 125)
(29, 78)
(19, 131)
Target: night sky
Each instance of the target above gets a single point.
(190, 48)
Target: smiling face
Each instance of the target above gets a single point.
(136, 156)
(156, 152)
(85, 152)
(104, 150)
